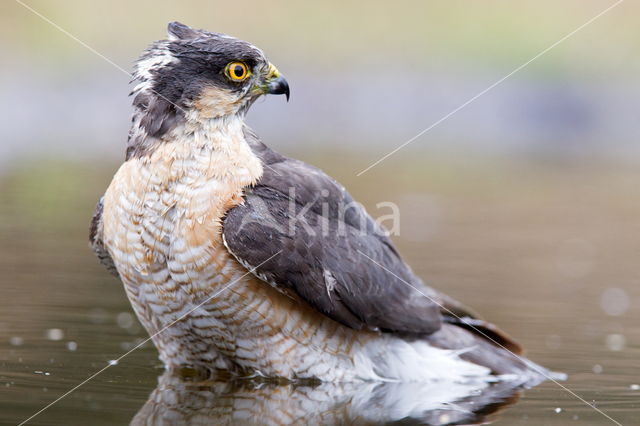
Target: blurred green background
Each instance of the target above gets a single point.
(366, 76)
(524, 204)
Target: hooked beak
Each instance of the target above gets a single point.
(276, 83)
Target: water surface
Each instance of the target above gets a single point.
(550, 253)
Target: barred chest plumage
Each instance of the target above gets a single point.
(162, 227)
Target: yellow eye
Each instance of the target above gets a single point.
(237, 71)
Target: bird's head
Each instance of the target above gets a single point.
(199, 75)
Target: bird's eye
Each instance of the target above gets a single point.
(237, 71)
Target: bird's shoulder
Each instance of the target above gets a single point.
(301, 231)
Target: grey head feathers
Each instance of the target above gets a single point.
(173, 74)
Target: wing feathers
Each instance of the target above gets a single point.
(337, 259)
(297, 209)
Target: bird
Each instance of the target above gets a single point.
(206, 401)
(237, 258)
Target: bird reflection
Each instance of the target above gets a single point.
(179, 400)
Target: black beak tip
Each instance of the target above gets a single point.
(279, 86)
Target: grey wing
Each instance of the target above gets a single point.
(95, 240)
(301, 231)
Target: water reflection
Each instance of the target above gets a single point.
(180, 401)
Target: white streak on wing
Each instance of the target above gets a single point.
(329, 281)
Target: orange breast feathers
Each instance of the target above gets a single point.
(166, 208)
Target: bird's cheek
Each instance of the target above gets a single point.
(216, 102)
(258, 88)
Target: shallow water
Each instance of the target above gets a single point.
(548, 253)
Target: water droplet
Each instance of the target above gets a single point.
(597, 369)
(113, 362)
(614, 301)
(72, 346)
(124, 320)
(634, 387)
(558, 410)
(616, 342)
(54, 334)
(16, 341)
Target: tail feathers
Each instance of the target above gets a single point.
(491, 348)
(454, 312)
(488, 331)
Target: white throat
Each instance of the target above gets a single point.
(215, 148)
